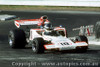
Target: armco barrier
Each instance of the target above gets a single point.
(86, 3)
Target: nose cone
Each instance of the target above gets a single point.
(59, 39)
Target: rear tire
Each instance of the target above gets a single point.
(38, 45)
(17, 39)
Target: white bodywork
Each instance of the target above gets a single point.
(60, 42)
(57, 42)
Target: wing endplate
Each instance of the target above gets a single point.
(18, 23)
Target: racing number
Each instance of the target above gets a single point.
(66, 43)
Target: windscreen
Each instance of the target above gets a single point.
(52, 33)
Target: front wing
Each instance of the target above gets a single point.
(65, 47)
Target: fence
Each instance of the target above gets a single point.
(85, 3)
(85, 30)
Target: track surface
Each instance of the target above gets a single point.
(26, 58)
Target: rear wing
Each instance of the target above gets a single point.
(18, 23)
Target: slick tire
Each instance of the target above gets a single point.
(17, 39)
(38, 45)
(82, 38)
(79, 39)
(97, 30)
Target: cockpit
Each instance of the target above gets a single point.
(52, 33)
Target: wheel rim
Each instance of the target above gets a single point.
(11, 40)
(34, 46)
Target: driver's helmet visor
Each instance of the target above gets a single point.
(48, 26)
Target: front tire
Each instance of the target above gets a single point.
(38, 45)
(16, 38)
(80, 39)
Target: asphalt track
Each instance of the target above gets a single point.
(26, 58)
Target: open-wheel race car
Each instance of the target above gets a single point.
(44, 37)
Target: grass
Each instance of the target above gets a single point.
(21, 7)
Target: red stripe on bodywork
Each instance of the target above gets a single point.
(47, 44)
(80, 41)
(17, 24)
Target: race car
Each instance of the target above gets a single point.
(46, 38)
